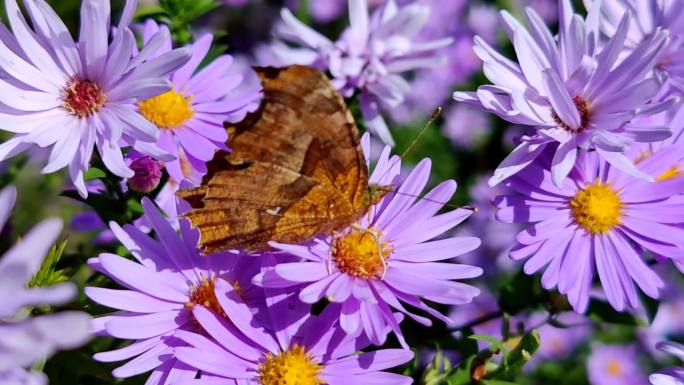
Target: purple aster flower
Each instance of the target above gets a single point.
(466, 126)
(614, 365)
(600, 218)
(369, 56)
(244, 353)
(574, 91)
(386, 259)
(559, 343)
(88, 88)
(484, 305)
(165, 282)
(190, 116)
(25, 340)
(671, 376)
(500, 236)
(649, 16)
(433, 86)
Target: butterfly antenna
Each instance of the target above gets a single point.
(424, 198)
(433, 118)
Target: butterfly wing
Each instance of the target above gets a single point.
(304, 125)
(296, 168)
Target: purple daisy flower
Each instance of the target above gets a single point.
(600, 218)
(165, 282)
(574, 91)
(614, 365)
(369, 56)
(190, 116)
(387, 258)
(649, 16)
(26, 340)
(671, 376)
(88, 89)
(243, 353)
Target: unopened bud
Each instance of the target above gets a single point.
(147, 175)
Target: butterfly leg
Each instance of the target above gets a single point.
(376, 235)
(336, 235)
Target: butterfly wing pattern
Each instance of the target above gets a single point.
(295, 169)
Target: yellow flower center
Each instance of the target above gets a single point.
(293, 367)
(168, 110)
(614, 368)
(597, 208)
(672, 172)
(358, 253)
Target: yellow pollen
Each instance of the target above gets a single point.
(643, 156)
(168, 110)
(293, 367)
(597, 208)
(614, 368)
(203, 294)
(357, 253)
(672, 172)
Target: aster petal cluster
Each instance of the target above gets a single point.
(88, 89)
(648, 18)
(26, 340)
(601, 219)
(577, 92)
(388, 259)
(670, 376)
(581, 224)
(190, 116)
(369, 57)
(323, 355)
(166, 281)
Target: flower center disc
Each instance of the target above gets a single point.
(168, 110)
(293, 367)
(203, 294)
(358, 254)
(597, 208)
(83, 98)
(583, 109)
(614, 368)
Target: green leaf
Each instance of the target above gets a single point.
(651, 306)
(497, 382)
(519, 357)
(134, 206)
(521, 292)
(94, 173)
(46, 275)
(602, 311)
(437, 369)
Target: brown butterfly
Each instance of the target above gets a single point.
(295, 170)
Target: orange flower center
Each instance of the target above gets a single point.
(361, 253)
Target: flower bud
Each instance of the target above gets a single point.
(147, 175)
